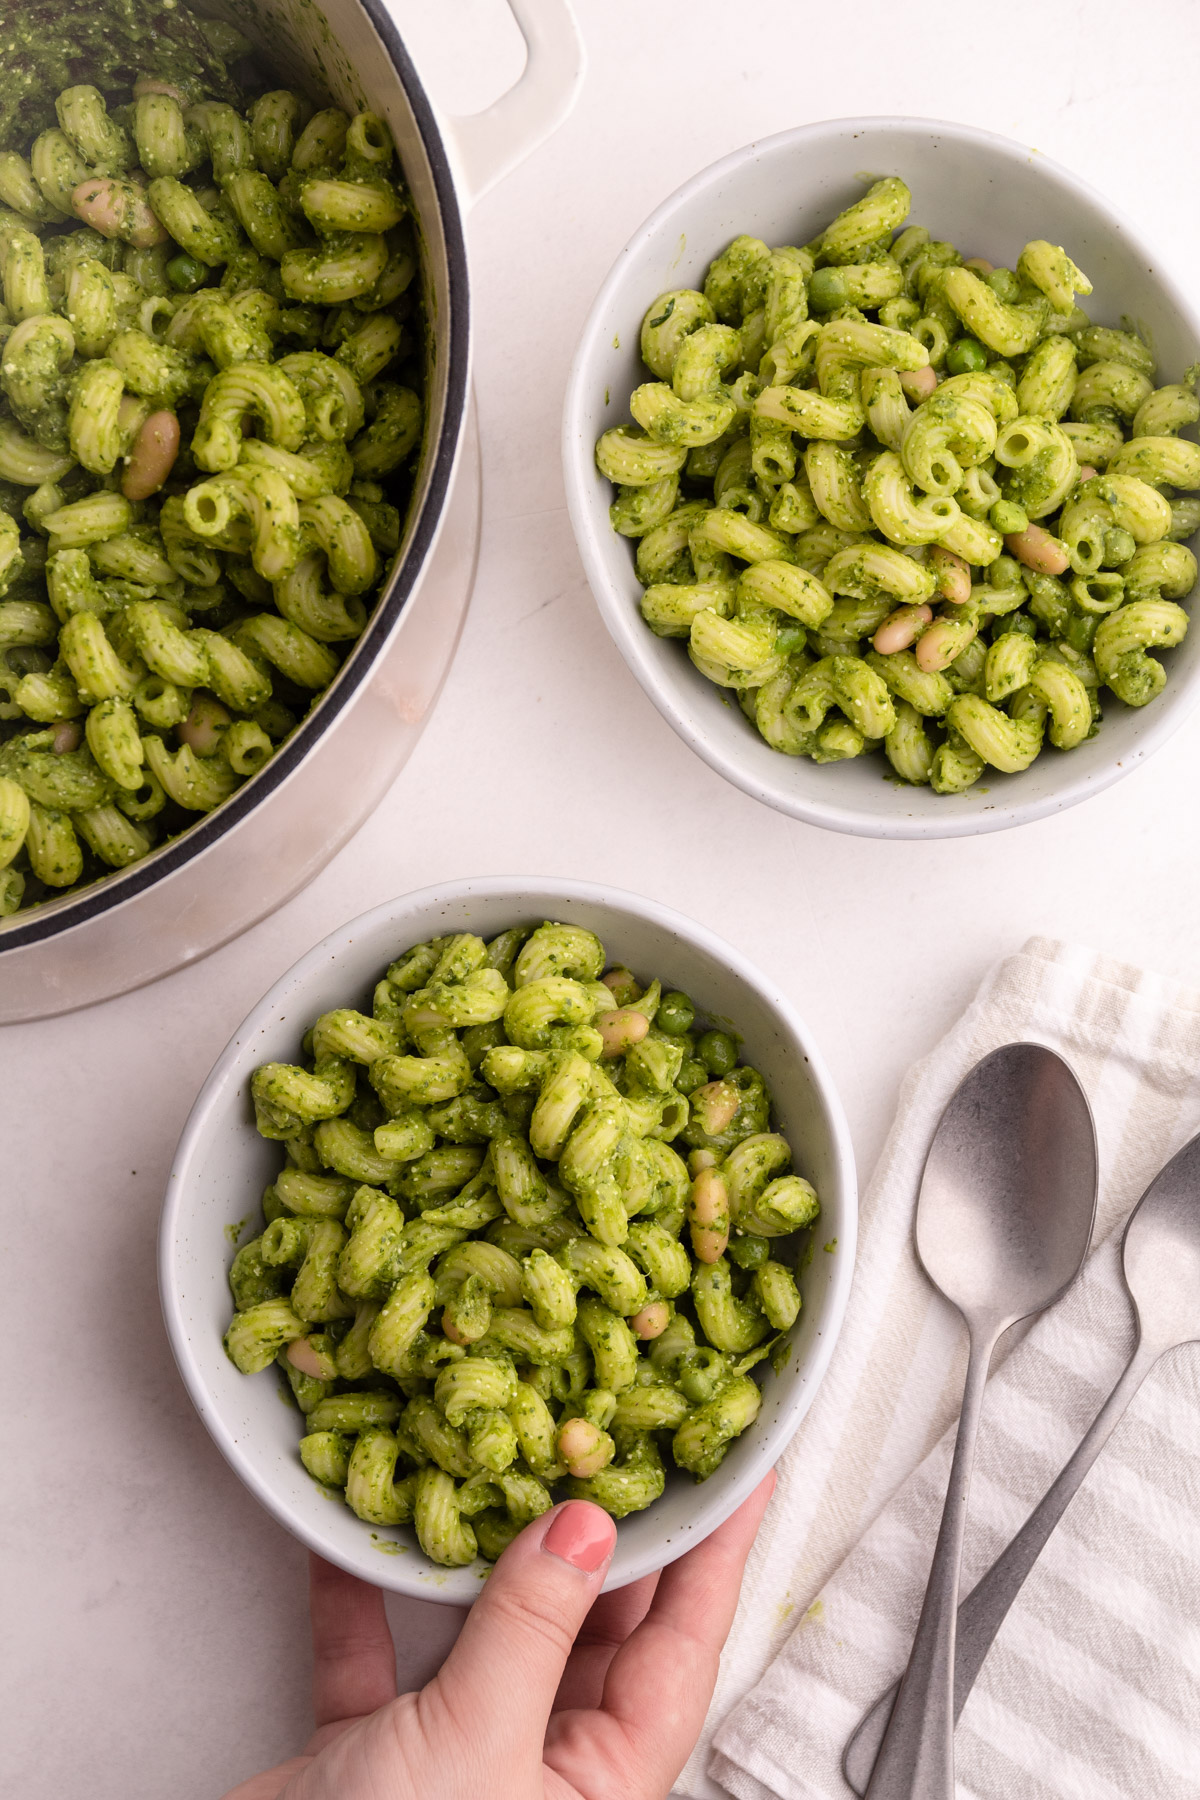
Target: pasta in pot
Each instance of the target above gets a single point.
(211, 371)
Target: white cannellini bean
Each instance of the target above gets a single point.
(980, 265)
(709, 1243)
(652, 1320)
(953, 575)
(68, 735)
(203, 726)
(901, 628)
(938, 647)
(708, 1215)
(100, 203)
(715, 1106)
(302, 1355)
(1087, 473)
(152, 457)
(918, 384)
(1038, 550)
(621, 1029)
(622, 983)
(709, 1199)
(584, 1447)
(145, 84)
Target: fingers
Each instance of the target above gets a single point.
(680, 1640)
(271, 1783)
(354, 1662)
(608, 1624)
(660, 1682)
(521, 1630)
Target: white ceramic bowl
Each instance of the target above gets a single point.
(986, 195)
(222, 1166)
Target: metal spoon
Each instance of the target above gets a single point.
(1004, 1218)
(1161, 1259)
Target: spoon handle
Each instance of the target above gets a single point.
(916, 1757)
(985, 1608)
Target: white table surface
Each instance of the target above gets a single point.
(156, 1636)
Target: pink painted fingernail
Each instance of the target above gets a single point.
(581, 1535)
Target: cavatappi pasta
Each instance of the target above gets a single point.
(533, 1234)
(897, 500)
(211, 369)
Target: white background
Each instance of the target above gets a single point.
(156, 1635)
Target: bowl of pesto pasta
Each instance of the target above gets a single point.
(887, 485)
(510, 1193)
(238, 466)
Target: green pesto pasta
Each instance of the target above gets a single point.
(897, 501)
(532, 1236)
(211, 378)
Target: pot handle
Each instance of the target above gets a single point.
(486, 145)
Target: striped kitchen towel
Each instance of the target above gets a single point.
(1092, 1690)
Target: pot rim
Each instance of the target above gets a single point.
(51, 918)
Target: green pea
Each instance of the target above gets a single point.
(965, 355)
(749, 1252)
(477, 1040)
(1004, 572)
(1119, 546)
(675, 1014)
(1016, 621)
(1081, 632)
(1004, 284)
(692, 1075)
(826, 290)
(790, 639)
(1006, 517)
(717, 1051)
(186, 273)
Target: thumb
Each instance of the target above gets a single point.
(511, 1653)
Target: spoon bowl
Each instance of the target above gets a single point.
(1009, 1189)
(1004, 1219)
(1161, 1254)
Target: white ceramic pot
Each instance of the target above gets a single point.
(222, 1166)
(984, 194)
(272, 836)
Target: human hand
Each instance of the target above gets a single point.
(552, 1692)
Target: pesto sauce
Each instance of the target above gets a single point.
(49, 45)
(44, 47)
